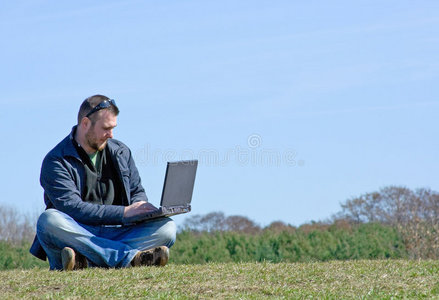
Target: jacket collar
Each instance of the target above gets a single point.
(69, 148)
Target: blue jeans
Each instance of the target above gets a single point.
(102, 245)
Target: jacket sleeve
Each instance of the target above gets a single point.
(58, 182)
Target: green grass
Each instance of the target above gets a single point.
(369, 279)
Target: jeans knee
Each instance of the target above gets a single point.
(168, 233)
(49, 219)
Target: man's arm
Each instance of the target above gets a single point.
(60, 188)
(137, 192)
(139, 205)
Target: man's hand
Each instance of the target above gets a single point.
(138, 209)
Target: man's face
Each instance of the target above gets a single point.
(97, 135)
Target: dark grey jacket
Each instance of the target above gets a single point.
(62, 178)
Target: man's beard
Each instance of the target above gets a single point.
(92, 141)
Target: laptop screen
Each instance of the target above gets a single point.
(179, 183)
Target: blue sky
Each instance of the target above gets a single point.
(292, 107)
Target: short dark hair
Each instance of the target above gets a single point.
(89, 103)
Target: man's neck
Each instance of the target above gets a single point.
(80, 140)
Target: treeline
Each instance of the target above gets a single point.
(409, 221)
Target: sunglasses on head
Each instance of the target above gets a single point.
(102, 105)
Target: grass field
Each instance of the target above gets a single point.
(380, 279)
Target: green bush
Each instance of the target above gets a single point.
(363, 241)
(18, 257)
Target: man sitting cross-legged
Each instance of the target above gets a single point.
(95, 201)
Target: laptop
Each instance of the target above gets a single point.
(177, 190)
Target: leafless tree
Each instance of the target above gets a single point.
(217, 221)
(241, 224)
(214, 221)
(15, 227)
(414, 213)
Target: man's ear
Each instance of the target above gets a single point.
(85, 123)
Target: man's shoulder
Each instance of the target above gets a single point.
(64, 153)
(119, 151)
(61, 149)
(116, 145)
